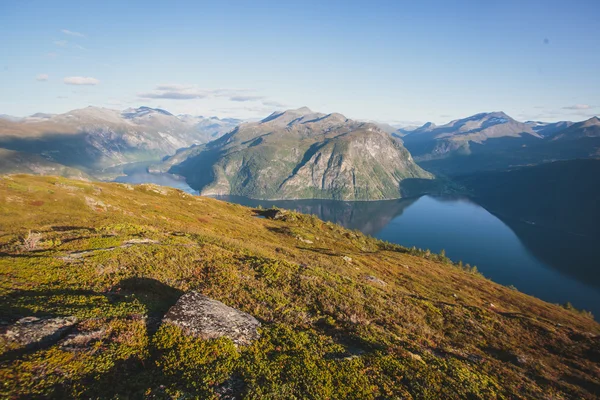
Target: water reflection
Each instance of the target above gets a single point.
(368, 217)
(552, 265)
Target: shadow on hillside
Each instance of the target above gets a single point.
(128, 377)
(154, 296)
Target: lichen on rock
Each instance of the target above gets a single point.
(206, 318)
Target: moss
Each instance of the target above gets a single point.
(327, 332)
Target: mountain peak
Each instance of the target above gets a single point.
(303, 110)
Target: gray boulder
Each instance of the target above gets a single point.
(206, 318)
(33, 331)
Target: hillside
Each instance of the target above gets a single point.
(342, 315)
(562, 195)
(13, 162)
(94, 138)
(299, 154)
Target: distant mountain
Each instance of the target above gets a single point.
(95, 138)
(210, 128)
(16, 162)
(494, 141)
(10, 118)
(546, 129)
(299, 154)
(585, 129)
(431, 141)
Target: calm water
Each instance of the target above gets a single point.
(551, 265)
(137, 173)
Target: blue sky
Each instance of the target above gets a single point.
(393, 61)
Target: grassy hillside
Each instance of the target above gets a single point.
(343, 315)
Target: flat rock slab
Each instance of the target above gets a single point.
(33, 331)
(206, 318)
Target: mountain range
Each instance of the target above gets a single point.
(293, 154)
(93, 139)
(299, 154)
(495, 141)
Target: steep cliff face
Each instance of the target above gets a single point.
(300, 154)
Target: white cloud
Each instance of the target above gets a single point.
(178, 91)
(61, 43)
(245, 98)
(270, 103)
(80, 80)
(42, 77)
(72, 33)
(174, 87)
(173, 95)
(578, 107)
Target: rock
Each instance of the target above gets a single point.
(347, 259)
(376, 280)
(206, 318)
(81, 340)
(307, 241)
(33, 331)
(273, 213)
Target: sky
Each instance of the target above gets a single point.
(401, 62)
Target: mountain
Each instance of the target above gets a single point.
(211, 128)
(16, 162)
(89, 271)
(456, 137)
(93, 138)
(546, 129)
(10, 118)
(298, 154)
(561, 195)
(581, 130)
(494, 141)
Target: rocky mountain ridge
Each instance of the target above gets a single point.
(300, 154)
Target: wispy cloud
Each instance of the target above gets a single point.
(42, 77)
(578, 107)
(271, 103)
(174, 87)
(245, 98)
(81, 80)
(173, 95)
(61, 43)
(72, 33)
(178, 91)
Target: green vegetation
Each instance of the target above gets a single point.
(343, 315)
(299, 154)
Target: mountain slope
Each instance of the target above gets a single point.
(15, 162)
(96, 138)
(448, 151)
(300, 154)
(562, 195)
(343, 315)
(432, 142)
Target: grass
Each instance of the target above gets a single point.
(434, 329)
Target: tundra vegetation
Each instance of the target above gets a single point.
(342, 315)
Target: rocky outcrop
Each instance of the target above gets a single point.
(38, 332)
(206, 318)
